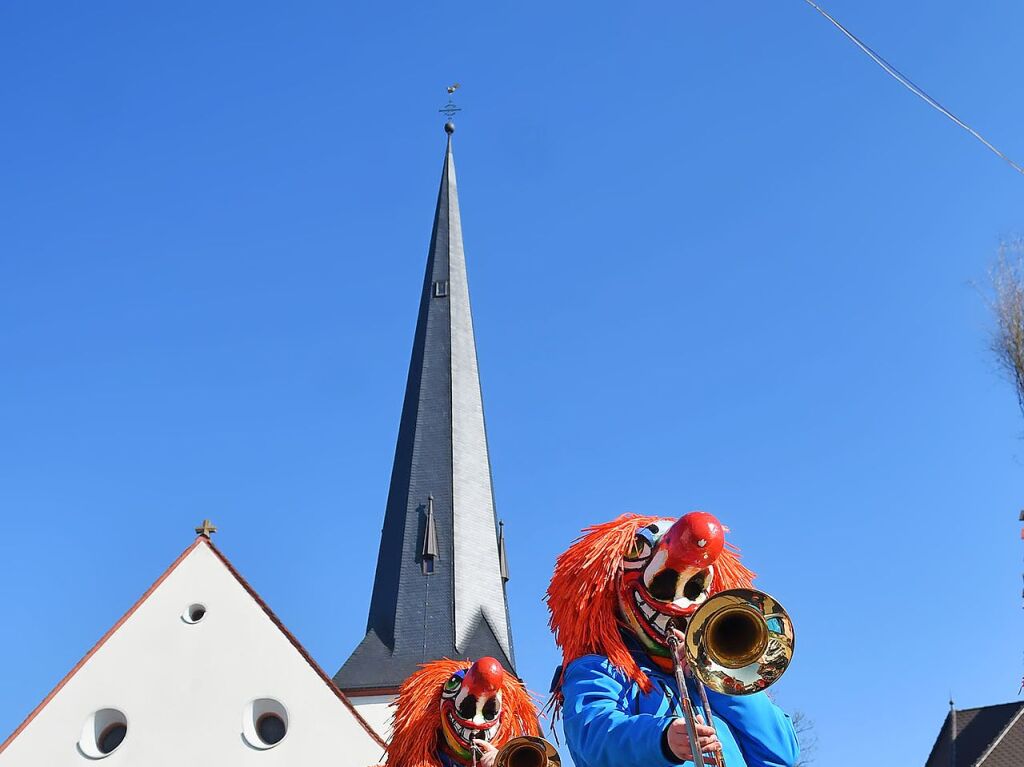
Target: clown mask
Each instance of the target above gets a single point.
(471, 706)
(667, 574)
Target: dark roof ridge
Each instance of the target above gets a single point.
(1002, 733)
(994, 705)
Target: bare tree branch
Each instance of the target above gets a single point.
(1007, 302)
(807, 737)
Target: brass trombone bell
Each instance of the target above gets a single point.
(739, 641)
(528, 751)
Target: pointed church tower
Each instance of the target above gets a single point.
(439, 587)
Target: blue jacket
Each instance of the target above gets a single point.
(610, 722)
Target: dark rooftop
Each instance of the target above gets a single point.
(990, 736)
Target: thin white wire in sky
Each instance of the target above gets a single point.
(911, 86)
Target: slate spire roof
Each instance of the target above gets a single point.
(438, 589)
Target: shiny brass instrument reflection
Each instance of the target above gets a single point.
(738, 642)
(528, 751)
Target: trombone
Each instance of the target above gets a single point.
(738, 642)
(525, 751)
(528, 751)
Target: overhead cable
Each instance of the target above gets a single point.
(911, 86)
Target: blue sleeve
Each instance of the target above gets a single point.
(762, 730)
(598, 728)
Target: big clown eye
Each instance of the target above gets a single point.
(641, 548)
(491, 709)
(467, 709)
(453, 684)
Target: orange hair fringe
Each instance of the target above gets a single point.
(416, 720)
(584, 591)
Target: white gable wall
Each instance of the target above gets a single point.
(184, 687)
(377, 711)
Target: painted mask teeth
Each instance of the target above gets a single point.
(661, 623)
(656, 620)
(469, 734)
(648, 611)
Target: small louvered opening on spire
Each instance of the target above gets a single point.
(502, 558)
(429, 550)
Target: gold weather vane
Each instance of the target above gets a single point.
(450, 108)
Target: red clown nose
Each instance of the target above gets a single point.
(695, 540)
(484, 678)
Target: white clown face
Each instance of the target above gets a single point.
(471, 706)
(667, 574)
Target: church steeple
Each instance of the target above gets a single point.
(438, 590)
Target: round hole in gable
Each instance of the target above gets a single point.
(194, 613)
(264, 723)
(112, 737)
(271, 729)
(103, 733)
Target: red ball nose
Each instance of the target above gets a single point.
(695, 540)
(484, 678)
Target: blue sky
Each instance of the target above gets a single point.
(718, 261)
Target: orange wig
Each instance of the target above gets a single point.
(584, 591)
(415, 737)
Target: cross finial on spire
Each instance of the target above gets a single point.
(206, 529)
(450, 109)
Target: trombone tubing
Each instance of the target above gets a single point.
(687, 706)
